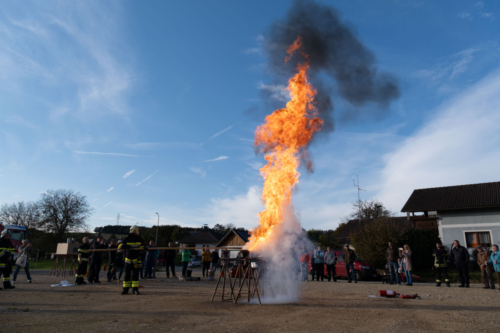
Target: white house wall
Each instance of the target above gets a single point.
(453, 225)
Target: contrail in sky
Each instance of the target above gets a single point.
(220, 158)
(224, 130)
(147, 178)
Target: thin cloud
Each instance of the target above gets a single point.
(455, 65)
(162, 145)
(103, 154)
(460, 145)
(224, 130)
(258, 49)
(220, 158)
(147, 178)
(276, 91)
(128, 173)
(106, 205)
(255, 165)
(199, 171)
(110, 189)
(465, 16)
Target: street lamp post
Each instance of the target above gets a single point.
(157, 228)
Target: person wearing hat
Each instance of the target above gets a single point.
(133, 261)
(83, 260)
(6, 249)
(440, 265)
(119, 262)
(486, 270)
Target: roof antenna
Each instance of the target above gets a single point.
(359, 198)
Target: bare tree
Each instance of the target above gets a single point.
(63, 211)
(368, 209)
(22, 214)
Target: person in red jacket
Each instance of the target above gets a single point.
(304, 260)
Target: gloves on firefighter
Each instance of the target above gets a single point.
(137, 265)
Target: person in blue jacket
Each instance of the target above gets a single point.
(319, 262)
(495, 261)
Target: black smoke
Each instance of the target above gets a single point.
(334, 53)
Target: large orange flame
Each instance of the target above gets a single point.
(283, 139)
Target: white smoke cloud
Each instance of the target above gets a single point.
(280, 253)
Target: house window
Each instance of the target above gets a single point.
(474, 239)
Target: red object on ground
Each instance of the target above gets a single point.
(387, 293)
(410, 296)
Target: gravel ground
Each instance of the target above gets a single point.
(172, 305)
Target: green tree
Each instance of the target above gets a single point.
(314, 235)
(421, 243)
(328, 240)
(179, 233)
(367, 210)
(371, 241)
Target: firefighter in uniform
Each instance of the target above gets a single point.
(133, 261)
(440, 265)
(83, 259)
(6, 250)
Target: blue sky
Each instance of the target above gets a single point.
(147, 107)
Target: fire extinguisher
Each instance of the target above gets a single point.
(104, 268)
(410, 296)
(388, 293)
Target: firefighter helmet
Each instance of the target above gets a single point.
(5, 232)
(134, 229)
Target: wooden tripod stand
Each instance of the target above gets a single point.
(56, 270)
(244, 277)
(225, 272)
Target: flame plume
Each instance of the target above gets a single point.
(283, 139)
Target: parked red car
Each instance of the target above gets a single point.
(363, 270)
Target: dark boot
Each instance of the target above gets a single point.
(334, 279)
(467, 286)
(461, 286)
(438, 284)
(7, 285)
(448, 284)
(135, 290)
(125, 290)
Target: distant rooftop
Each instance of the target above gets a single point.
(484, 195)
(205, 236)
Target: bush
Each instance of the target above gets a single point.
(371, 243)
(421, 242)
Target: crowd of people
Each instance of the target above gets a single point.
(321, 260)
(399, 265)
(142, 264)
